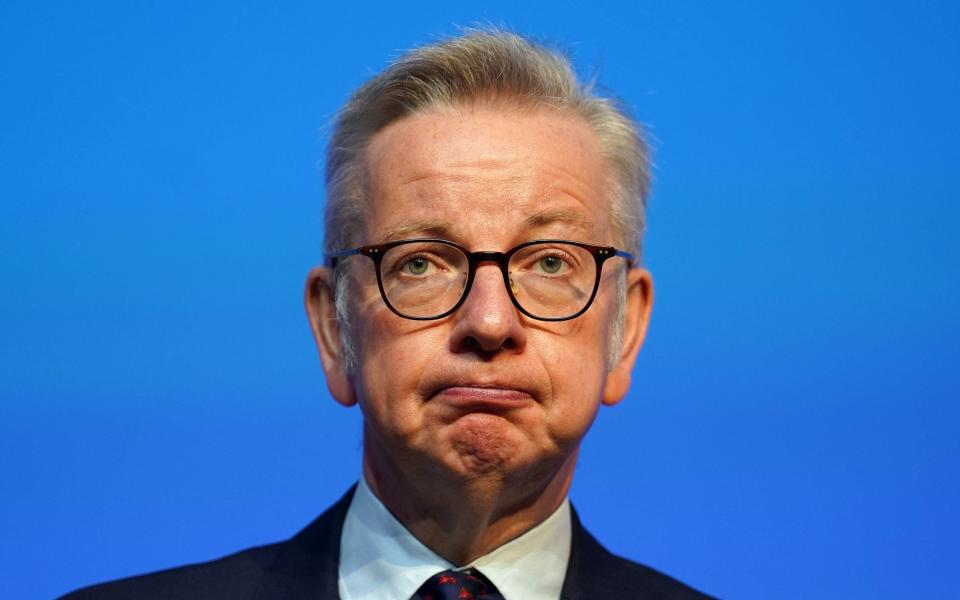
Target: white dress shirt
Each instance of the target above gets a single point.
(380, 559)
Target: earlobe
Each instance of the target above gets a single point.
(639, 303)
(322, 313)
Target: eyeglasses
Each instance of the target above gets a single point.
(548, 280)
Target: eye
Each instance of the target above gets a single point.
(548, 259)
(550, 264)
(418, 265)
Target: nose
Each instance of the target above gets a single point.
(487, 321)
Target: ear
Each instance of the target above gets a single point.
(639, 303)
(322, 313)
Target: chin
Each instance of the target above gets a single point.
(481, 445)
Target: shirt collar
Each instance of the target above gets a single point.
(379, 558)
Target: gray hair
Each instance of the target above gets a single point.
(493, 67)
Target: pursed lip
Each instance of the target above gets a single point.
(482, 397)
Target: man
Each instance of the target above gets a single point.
(482, 298)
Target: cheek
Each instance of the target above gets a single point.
(576, 367)
(574, 352)
(393, 358)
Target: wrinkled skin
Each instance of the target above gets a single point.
(472, 422)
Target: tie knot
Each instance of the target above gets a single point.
(468, 584)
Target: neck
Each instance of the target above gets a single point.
(462, 519)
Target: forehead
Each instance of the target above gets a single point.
(484, 174)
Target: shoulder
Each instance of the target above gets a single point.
(233, 576)
(594, 571)
(304, 566)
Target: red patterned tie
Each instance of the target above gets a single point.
(469, 584)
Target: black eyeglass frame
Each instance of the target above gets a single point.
(375, 252)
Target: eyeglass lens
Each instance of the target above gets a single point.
(549, 279)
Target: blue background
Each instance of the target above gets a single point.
(793, 427)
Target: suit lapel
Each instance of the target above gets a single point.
(587, 558)
(307, 566)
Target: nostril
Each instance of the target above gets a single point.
(473, 344)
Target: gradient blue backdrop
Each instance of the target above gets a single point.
(793, 427)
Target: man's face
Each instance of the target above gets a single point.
(486, 391)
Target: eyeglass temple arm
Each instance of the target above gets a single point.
(624, 254)
(330, 260)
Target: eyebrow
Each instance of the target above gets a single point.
(427, 228)
(441, 229)
(564, 217)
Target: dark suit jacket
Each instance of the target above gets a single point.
(305, 567)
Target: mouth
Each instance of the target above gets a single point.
(494, 398)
